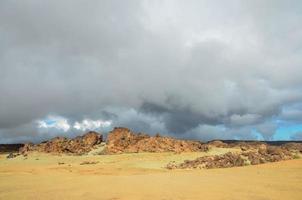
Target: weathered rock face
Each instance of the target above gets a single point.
(11, 155)
(293, 147)
(268, 154)
(79, 145)
(26, 148)
(209, 162)
(263, 154)
(123, 140)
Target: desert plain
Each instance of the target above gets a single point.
(137, 166)
(144, 176)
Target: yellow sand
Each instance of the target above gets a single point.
(143, 176)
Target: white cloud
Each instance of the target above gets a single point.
(56, 122)
(88, 124)
(61, 123)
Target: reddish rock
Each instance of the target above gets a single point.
(293, 147)
(79, 145)
(263, 154)
(26, 148)
(209, 162)
(124, 140)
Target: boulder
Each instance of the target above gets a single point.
(11, 155)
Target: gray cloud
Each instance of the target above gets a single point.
(178, 67)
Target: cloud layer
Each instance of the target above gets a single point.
(198, 69)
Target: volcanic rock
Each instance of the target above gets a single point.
(11, 155)
(79, 145)
(293, 147)
(89, 162)
(123, 140)
(263, 154)
(26, 148)
(209, 162)
(270, 154)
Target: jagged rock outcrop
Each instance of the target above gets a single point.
(209, 162)
(293, 147)
(11, 155)
(268, 154)
(79, 145)
(263, 154)
(123, 140)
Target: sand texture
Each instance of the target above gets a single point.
(143, 176)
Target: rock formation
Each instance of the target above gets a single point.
(268, 154)
(293, 147)
(255, 156)
(122, 140)
(79, 145)
(217, 161)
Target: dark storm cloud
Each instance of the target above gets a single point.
(184, 67)
(178, 120)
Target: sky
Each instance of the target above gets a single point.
(188, 69)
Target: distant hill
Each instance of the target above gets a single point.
(276, 143)
(4, 148)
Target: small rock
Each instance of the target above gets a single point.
(89, 162)
(10, 155)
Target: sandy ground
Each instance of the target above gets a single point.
(143, 176)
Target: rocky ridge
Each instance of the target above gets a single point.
(256, 155)
(78, 145)
(123, 140)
